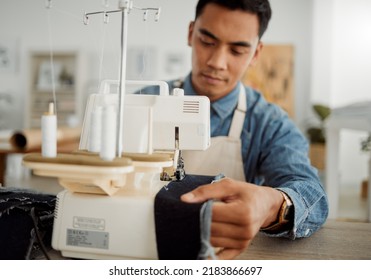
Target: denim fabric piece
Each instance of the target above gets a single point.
(20, 210)
(178, 224)
(206, 250)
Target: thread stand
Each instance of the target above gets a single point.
(125, 6)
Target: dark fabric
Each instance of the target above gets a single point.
(178, 223)
(26, 223)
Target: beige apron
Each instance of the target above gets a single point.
(224, 154)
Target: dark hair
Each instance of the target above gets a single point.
(259, 7)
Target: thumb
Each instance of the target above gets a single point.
(190, 197)
(218, 190)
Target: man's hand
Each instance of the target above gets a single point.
(239, 211)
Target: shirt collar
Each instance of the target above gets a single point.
(222, 107)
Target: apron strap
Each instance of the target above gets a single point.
(238, 115)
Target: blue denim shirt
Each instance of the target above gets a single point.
(275, 154)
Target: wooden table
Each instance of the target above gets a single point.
(334, 241)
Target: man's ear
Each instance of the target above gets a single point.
(256, 54)
(190, 32)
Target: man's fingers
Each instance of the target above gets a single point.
(228, 254)
(231, 213)
(225, 242)
(229, 230)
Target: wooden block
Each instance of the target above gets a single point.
(317, 155)
(364, 189)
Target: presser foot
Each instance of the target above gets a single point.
(178, 174)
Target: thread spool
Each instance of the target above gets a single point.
(49, 133)
(108, 135)
(95, 130)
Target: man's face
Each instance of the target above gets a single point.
(224, 43)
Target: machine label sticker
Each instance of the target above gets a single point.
(86, 238)
(89, 223)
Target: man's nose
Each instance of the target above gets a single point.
(218, 59)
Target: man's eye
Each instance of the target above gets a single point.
(238, 51)
(206, 42)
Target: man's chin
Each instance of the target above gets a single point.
(213, 91)
(213, 94)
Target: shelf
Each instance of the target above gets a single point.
(66, 82)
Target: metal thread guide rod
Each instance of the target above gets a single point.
(125, 6)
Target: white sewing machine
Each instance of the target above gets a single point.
(107, 209)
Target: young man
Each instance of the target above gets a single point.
(270, 185)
